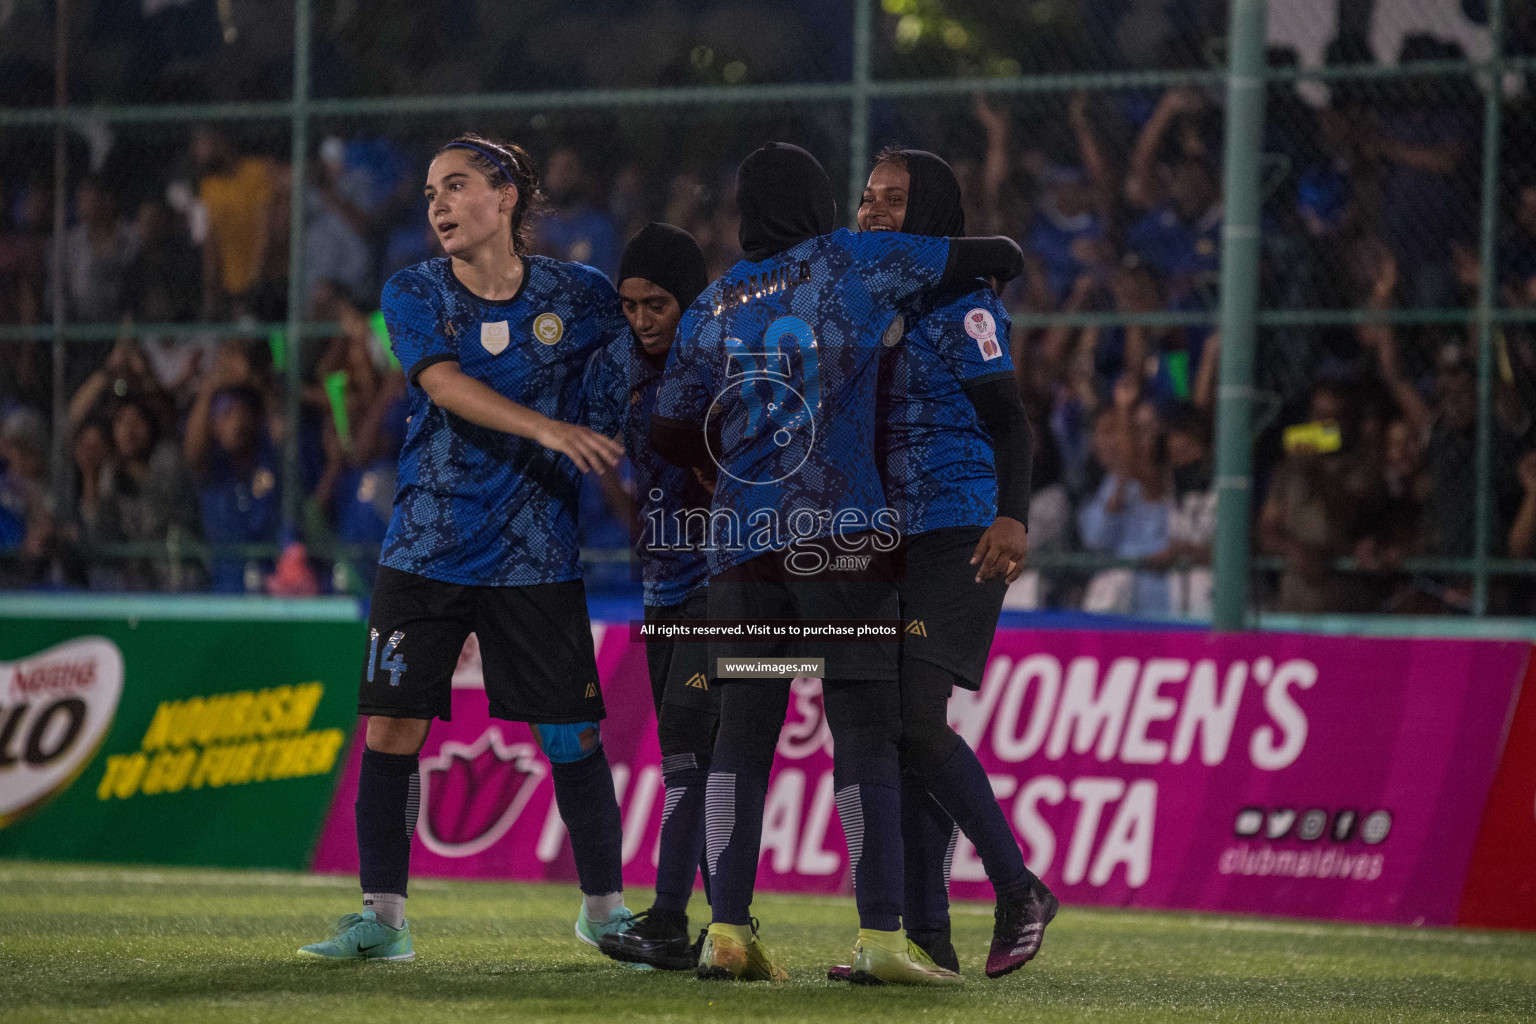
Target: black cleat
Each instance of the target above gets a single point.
(1019, 928)
(658, 938)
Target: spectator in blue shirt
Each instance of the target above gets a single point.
(1128, 516)
(1066, 238)
(236, 468)
(572, 229)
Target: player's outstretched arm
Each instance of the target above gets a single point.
(969, 258)
(469, 399)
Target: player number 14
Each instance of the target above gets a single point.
(393, 665)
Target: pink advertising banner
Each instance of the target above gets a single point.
(1257, 773)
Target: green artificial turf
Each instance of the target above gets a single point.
(94, 943)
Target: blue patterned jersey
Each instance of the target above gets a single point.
(934, 456)
(621, 388)
(474, 505)
(785, 353)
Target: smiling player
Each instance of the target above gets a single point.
(954, 450)
(781, 352)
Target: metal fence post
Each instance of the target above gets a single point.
(1239, 309)
(293, 377)
(858, 113)
(58, 451)
(1493, 124)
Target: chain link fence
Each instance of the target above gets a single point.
(227, 225)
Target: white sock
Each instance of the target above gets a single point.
(601, 908)
(388, 906)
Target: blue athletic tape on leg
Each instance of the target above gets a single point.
(563, 744)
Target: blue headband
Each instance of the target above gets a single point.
(499, 165)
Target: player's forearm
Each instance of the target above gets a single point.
(478, 403)
(1002, 415)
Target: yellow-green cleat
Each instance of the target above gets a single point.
(733, 952)
(890, 958)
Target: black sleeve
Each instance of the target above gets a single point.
(970, 258)
(997, 405)
(680, 443)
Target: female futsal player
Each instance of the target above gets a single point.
(662, 272)
(784, 347)
(954, 449)
(494, 343)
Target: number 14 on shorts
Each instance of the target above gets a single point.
(393, 665)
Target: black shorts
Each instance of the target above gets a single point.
(949, 619)
(680, 671)
(766, 587)
(535, 647)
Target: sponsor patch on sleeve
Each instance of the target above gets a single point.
(980, 325)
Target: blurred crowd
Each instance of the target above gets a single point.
(1365, 435)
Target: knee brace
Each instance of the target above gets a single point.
(568, 743)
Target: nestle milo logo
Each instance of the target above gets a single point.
(55, 709)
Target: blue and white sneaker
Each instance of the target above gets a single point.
(592, 932)
(364, 937)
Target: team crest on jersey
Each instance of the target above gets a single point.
(893, 332)
(548, 328)
(494, 337)
(983, 329)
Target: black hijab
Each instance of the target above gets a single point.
(933, 197)
(784, 197)
(669, 258)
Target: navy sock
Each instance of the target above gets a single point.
(928, 842)
(733, 815)
(388, 799)
(961, 787)
(871, 817)
(590, 810)
(865, 719)
(682, 830)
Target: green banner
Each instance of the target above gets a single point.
(172, 742)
